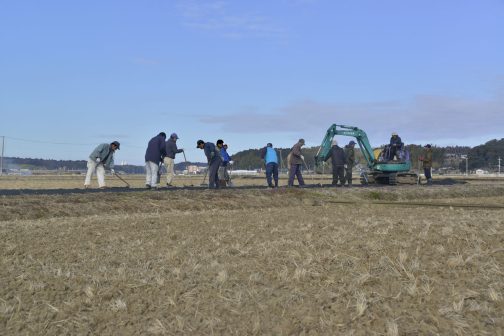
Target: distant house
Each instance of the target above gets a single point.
(244, 172)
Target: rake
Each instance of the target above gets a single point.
(120, 178)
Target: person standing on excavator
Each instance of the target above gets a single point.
(350, 161)
(395, 146)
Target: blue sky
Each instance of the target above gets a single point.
(74, 74)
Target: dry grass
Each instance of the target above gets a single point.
(285, 262)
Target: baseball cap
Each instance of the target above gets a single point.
(351, 142)
(174, 136)
(117, 144)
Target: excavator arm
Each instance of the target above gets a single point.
(351, 131)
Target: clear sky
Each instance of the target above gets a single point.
(74, 74)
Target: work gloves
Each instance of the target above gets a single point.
(112, 171)
(231, 162)
(345, 166)
(98, 160)
(302, 157)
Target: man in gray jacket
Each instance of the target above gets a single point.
(100, 159)
(338, 160)
(296, 160)
(171, 151)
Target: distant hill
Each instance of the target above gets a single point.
(485, 156)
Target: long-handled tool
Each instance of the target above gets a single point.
(120, 178)
(186, 166)
(159, 173)
(203, 184)
(311, 174)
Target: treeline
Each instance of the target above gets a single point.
(74, 165)
(451, 157)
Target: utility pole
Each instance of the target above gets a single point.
(499, 165)
(1, 157)
(467, 165)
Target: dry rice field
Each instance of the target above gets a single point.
(407, 260)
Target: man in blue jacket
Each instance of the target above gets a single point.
(226, 160)
(100, 159)
(270, 157)
(156, 151)
(214, 161)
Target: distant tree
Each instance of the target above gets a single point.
(485, 156)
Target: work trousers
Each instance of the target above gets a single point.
(151, 173)
(213, 173)
(427, 172)
(338, 173)
(92, 167)
(272, 169)
(170, 169)
(348, 174)
(295, 170)
(225, 171)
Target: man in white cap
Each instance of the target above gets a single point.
(171, 151)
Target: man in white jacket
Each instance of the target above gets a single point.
(100, 159)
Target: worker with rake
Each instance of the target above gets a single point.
(426, 159)
(226, 161)
(350, 162)
(156, 151)
(270, 157)
(338, 160)
(171, 151)
(214, 162)
(296, 160)
(100, 159)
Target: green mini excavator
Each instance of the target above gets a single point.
(380, 169)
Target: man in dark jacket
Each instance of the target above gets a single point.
(214, 161)
(295, 161)
(338, 160)
(395, 146)
(169, 159)
(156, 150)
(350, 162)
(270, 157)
